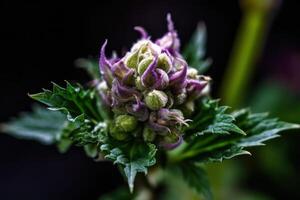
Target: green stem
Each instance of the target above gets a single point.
(191, 154)
(246, 49)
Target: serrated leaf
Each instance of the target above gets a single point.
(85, 132)
(213, 119)
(195, 176)
(205, 146)
(133, 156)
(195, 50)
(41, 125)
(72, 100)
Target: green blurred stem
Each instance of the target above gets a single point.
(246, 49)
(180, 156)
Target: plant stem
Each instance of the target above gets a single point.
(246, 49)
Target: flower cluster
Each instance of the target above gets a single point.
(151, 90)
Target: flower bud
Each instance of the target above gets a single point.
(138, 84)
(132, 59)
(164, 62)
(192, 73)
(117, 134)
(144, 64)
(162, 80)
(148, 134)
(125, 123)
(171, 141)
(156, 99)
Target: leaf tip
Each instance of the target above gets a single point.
(131, 187)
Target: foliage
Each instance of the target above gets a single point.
(194, 52)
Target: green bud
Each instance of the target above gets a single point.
(132, 59)
(156, 99)
(143, 65)
(117, 133)
(125, 123)
(138, 84)
(148, 135)
(170, 138)
(164, 62)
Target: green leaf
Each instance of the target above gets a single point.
(195, 176)
(203, 145)
(63, 145)
(91, 150)
(41, 125)
(194, 52)
(133, 157)
(212, 119)
(84, 132)
(90, 65)
(72, 100)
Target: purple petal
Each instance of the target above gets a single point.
(105, 66)
(162, 80)
(149, 77)
(142, 31)
(170, 23)
(159, 129)
(122, 93)
(122, 72)
(195, 87)
(170, 40)
(139, 110)
(178, 80)
(171, 117)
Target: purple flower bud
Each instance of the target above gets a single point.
(158, 128)
(178, 79)
(171, 117)
(124, 74)
(195, 87)
(149, 77)
(162, 80)
(171, 141)
(138, 110)
(152, 88)
(105, 66)
(122, 93)
(170, 40)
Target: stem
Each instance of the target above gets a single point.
(191, 154)
(246, 49)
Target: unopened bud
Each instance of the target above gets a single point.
(125, 123)
(192, 73)
(164, 62)
(132, 60)
(117, 134)
(156, 99)
(144, 64)
(148, 135)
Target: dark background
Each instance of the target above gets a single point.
(39, 43)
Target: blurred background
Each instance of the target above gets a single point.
(40, 41)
